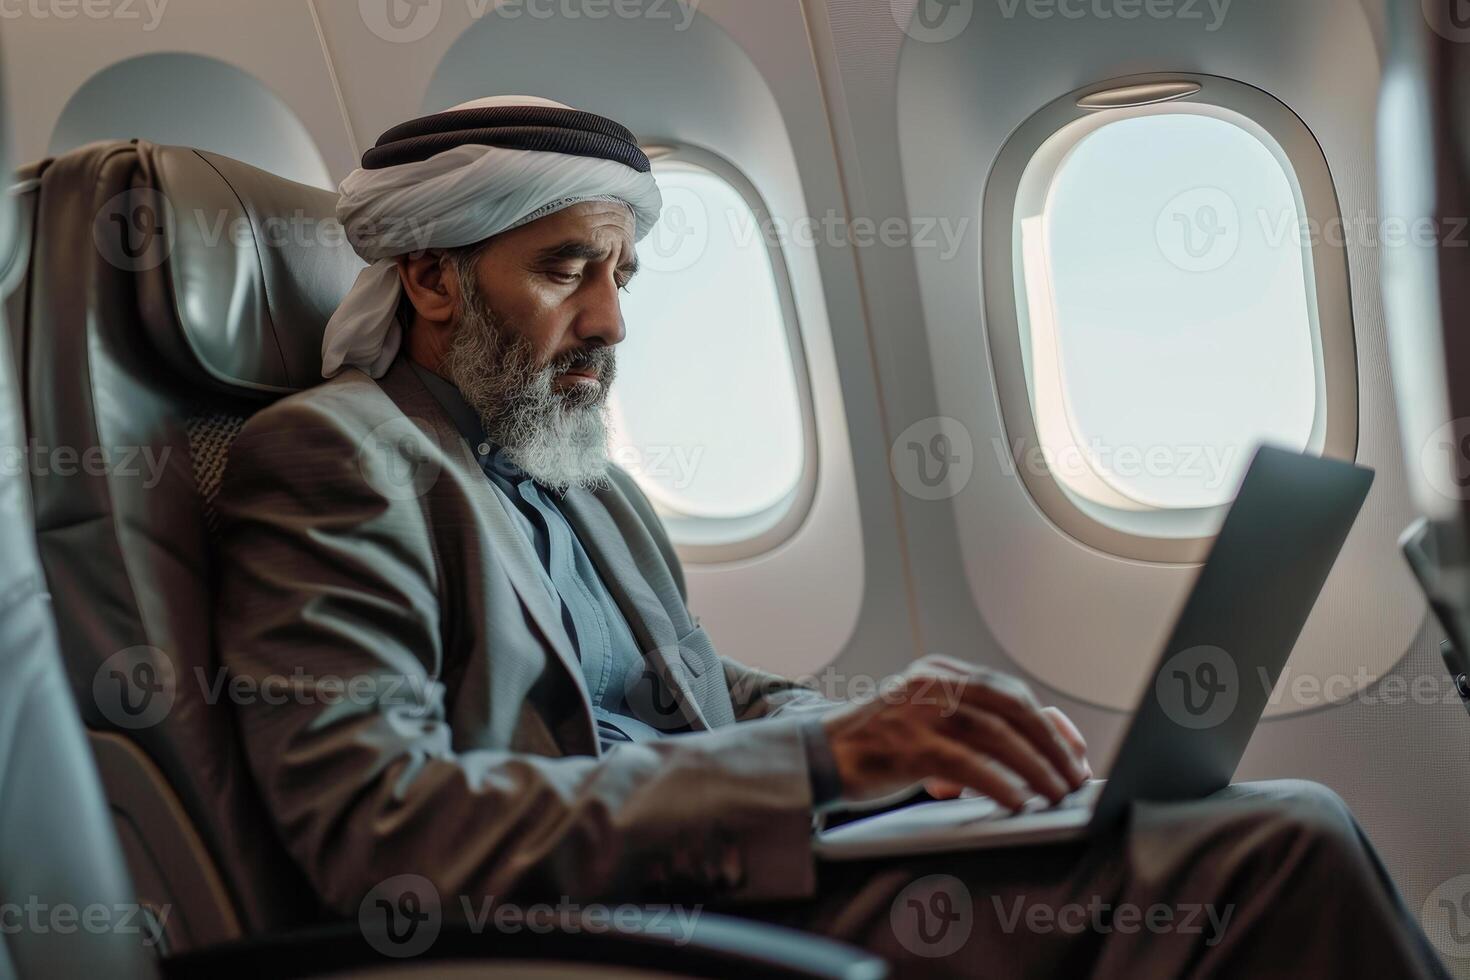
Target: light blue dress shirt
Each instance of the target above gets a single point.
(605, 645)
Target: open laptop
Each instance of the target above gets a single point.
(1209, 688)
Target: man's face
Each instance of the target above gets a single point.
(532, 347)
(555, 281)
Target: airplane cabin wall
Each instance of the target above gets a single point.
(830, 109)
(919, 123)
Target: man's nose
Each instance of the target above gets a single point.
(601, 317)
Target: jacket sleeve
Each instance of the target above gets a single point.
(329, 597)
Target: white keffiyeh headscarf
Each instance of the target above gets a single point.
(456, 197)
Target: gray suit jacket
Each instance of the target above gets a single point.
(418, 705)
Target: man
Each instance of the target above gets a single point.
(530, 710)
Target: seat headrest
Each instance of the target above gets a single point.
(238, 270)
(164, 289)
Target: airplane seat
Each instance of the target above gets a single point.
(161, 296)
(168, 294)
(59, 845)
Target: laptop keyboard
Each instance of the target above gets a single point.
(1081, 798)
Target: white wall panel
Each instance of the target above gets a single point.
(49, 57)
(1095, 624)
(909, 117)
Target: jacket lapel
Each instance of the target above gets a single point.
(631, 565)
(506, 544)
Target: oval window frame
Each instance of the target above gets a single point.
(1176, 535)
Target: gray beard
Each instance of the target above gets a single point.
(558, 438)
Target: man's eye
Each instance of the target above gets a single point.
(562, 277)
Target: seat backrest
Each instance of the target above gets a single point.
(168, 294)
(58, 852)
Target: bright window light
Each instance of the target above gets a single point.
(1168, 308)
(706, 409)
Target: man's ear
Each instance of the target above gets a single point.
(427, 286)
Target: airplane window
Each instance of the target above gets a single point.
(1167, 303)
(1165, 281)
(706, 409)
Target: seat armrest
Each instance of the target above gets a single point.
(707, 945)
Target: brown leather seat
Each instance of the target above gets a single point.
(168, 293)
(57, 847)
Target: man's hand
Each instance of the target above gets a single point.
(954, 725)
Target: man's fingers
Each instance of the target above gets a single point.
(992, 735)
(1012, 700)
(943, 789)
(1045, 737)
(955, 763)
(996, 713)
(1070, 733)
(1065, 726)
